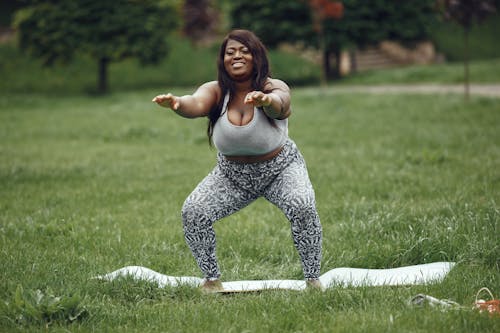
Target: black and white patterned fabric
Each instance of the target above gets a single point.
(231, 186)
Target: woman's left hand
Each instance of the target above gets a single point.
(258, 99)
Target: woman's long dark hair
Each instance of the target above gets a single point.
(261, 71)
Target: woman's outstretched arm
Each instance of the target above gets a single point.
(196, 105)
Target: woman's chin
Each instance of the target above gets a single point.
(240, 77)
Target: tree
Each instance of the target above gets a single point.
(368, 23)
(363, 23)
(275, 21)
(55, 30)
(200, 19)
(466, 13)
(288, 21)
(321, 11)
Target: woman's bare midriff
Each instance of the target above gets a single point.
(255, 158)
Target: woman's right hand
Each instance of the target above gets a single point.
(167, 101)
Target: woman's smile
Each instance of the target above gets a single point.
(238, 64)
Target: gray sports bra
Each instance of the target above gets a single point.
(258, 137)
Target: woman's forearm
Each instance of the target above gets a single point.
(279, 108)
(190, 107)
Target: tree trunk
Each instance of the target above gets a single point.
(325, 60)
(354, 63)
(102, 78)
(338, 64)
(326, 64)
(466, 64)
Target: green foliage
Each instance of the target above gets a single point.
(367, 23)
(57, 30)
(106, 30)
(42, 307)
(6, 10)
(467, 12)
(363, 23)
(276, 22)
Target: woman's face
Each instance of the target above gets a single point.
(238, 60)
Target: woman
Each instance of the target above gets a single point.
(248, 123)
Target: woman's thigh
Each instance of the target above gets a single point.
(216, 197)
(292, 189)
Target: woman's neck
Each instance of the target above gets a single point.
(243, 86)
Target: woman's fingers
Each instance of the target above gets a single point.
(253, 96)
(167, 100)
(257, 98)
(175, 105)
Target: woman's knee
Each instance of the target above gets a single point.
(303, 210)
(195, 212)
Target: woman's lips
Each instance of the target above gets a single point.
(238, 64)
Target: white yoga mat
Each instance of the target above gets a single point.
(337, 277)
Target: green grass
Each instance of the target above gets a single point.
(88, 185)
(480, 72)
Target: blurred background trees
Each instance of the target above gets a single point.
(115, 31)
(106, 30)
(200, 20)
(278, 22)
(357, 25)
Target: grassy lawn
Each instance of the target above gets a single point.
(89, 185)
(481, 72)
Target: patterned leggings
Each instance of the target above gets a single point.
(230, 186)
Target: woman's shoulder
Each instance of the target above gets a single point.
(276, 84)
(210, 88)
(213, 86)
